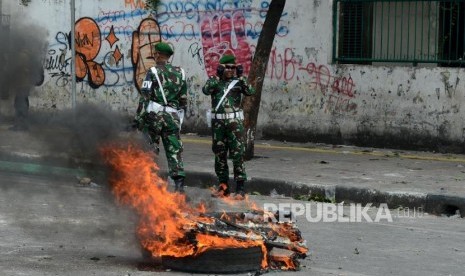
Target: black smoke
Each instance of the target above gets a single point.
(23, 49)
(74, 136)
(77, 133)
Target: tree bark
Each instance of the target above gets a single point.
(256, 77)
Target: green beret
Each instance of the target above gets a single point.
(227, 59)
(164, 48)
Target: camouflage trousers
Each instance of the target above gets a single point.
(227, 136)
(165, 125)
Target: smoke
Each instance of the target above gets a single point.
(65, 138)
(23, 50)
(74, 137)
(76, 134)
(80, 133)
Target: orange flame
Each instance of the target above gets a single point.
(165, 218)
(284, 262)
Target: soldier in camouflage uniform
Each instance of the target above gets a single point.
(161, 110)
(226, 90)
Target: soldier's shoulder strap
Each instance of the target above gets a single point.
(226, 91)
(183, 74)
(155, 72)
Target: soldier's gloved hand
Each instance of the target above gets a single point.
(241, 82)
(220, 70)
(138, 122)
(239, 70)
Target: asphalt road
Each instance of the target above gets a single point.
(56, 226)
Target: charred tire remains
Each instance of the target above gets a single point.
(227, 260)
(283, 242)
(199, 241)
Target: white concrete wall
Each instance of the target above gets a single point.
(305, 96)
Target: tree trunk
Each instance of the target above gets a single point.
(257, 73)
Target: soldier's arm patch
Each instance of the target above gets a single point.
(147, 84)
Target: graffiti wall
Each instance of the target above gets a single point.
(305, 96)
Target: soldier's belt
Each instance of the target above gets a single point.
(156, 107)
(231, 115)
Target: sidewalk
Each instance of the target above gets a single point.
(434, 182)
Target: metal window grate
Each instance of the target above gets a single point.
(399, 31)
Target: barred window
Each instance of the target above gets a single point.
(400, 32)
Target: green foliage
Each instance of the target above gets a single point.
(151, 5)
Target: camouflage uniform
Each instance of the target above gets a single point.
(165, 123)
(227, 134)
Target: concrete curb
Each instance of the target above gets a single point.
(444, 204)
(431, 203)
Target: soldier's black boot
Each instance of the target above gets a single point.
(179, 185)
(240, 189)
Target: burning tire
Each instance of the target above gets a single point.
(217, 242)
(228, 260)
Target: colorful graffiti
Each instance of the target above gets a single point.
(134, 4)
(147, 34)
(211, 28)
(120, 21)
(321, 79)
(57, 63)
(340, 104)
(338, 91)
(215, 27)
(224, 33)
(193, 10)
(88, 43)
(286, 66)
(99, 59)
(178, 28)
(195, 50)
